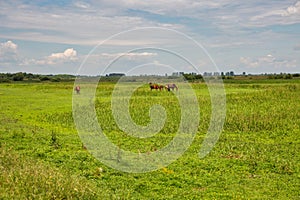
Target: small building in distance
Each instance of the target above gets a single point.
(177, 73)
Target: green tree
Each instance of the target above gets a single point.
(18, 76)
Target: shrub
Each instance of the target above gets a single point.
(44, 78)
(18, 77)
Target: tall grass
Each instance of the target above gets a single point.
(257, 155)
(25, 178)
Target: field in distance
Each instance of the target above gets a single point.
(257, 155)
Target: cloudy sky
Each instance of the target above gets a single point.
(59, 36)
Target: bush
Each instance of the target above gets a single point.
(4, 80)
(288, 76)
(18, 77)
(44, 78)
(56, 79)
(296, 75)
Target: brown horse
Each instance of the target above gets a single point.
(77, 89)
(172, 86)
(155, 86)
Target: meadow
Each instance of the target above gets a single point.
(256, 156)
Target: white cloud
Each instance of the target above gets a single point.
(83, 5)
(90, 23)
(8, 52)
(268, 61)
(129, 55)
(8, 46)
(287, 15)
(231, 27)
(104, 59)
(249, 62)
(292, 10)
(82, 24)
(68, 56)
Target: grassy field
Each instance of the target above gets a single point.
(256, 157)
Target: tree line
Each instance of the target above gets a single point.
(191, 77)
(29, 77)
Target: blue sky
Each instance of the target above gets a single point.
(52, 37)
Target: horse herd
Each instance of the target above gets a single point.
(153, 86)
(168, 87)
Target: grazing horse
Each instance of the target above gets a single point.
(77, 89)
(155, 86)
(172, 86)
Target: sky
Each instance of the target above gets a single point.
(149, 37)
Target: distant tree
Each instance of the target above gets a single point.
(192, 76)
(56, 79)
(30, 76)
(44, 78)
(198, 76)
(18, 76)
(188, 77)
(4, 79)
(288, 76)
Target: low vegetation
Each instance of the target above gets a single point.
(256, 157)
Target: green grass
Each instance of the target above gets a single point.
(25, 178)
(256, 157)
